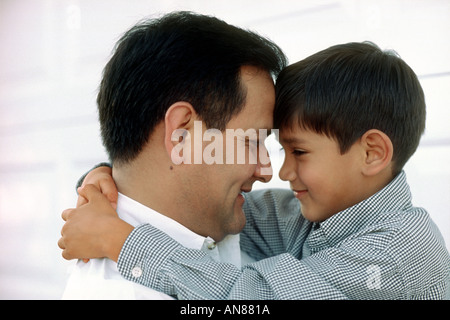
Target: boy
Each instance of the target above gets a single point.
(350, 117)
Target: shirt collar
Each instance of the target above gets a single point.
(395, 196)
(135, 213)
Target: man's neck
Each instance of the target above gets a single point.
(142, 185)
(156, 183)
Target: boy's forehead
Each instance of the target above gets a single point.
(299, 136)
(292, 135)
(291, 140)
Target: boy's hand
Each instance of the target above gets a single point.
(93, 230)
(101, 177)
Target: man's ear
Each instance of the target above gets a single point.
(378, 151)
(178, 121)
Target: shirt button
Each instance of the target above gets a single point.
(210, 243)
(136, 272)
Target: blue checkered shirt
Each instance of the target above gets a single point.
(381, 248)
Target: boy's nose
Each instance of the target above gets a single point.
(286, 173)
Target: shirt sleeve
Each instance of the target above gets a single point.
(153, 259)
(274, 225)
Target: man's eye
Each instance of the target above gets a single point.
(251, 142)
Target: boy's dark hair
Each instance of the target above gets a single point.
(181, 56)
(348, 89)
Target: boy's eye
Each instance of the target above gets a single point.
(295, 152)
(298, 152)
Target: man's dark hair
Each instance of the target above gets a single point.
(348, 89)
(181, 56)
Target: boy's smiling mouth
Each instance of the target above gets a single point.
(299, 194)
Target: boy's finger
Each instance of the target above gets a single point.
(110, 191)
(65, 214)
(90, 192)
(81, 201)
(61, 243)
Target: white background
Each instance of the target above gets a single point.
(51, 56)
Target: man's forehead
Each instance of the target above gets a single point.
(253, 125)
(248, 72)
(257, 112)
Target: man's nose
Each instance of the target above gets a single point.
(263, 171)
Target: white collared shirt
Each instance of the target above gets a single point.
(100, 279)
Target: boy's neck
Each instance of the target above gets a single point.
(374, 184)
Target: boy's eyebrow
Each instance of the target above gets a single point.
(292, 140)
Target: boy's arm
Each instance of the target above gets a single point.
(153, 259)
(351, 271)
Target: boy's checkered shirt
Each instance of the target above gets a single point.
(381, 248)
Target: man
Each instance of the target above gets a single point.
(173, 87)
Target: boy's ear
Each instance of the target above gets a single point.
(378, 151)
(178, 121)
